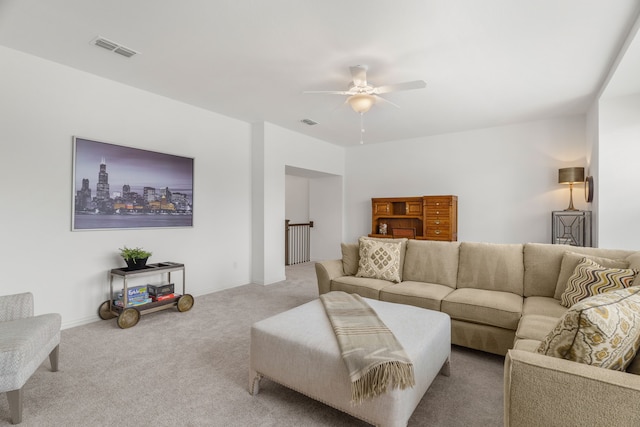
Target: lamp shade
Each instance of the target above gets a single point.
(570, 175)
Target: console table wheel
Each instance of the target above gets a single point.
(185, 302)
(128, 318)
(104, 311)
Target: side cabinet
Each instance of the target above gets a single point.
(571, 228)
(423, 217)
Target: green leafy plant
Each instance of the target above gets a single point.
(134, 253)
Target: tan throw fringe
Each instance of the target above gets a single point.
(379, 378)
(374, 358)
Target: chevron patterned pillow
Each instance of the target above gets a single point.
(590, 278)
(602, 330)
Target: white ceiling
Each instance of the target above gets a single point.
(486, 63)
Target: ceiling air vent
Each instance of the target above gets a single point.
(114, 47)
(309, 122)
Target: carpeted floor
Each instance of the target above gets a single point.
(191, 369)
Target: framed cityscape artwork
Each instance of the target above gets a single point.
(117, 187)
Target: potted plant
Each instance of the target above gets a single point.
(136, 258)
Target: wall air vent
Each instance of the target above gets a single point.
(113, 47)
(309, 122)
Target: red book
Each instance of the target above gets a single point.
(162, 297)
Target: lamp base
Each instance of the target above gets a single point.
(571, 208)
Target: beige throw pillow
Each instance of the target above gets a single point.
(603, 331)
(590, 278)
(350, 255)
(570, 261)
(379, 259)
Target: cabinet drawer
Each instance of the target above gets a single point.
(438, 211)
(438, 234)
(381, 208)
(438, 222)
(437, 202)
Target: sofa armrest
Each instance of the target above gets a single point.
(542, 390)
(326, 271)
(17, 306)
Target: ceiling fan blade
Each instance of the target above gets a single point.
(331, 92)
(359, 75)
(416, 84)
(385, 101)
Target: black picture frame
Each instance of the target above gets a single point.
(120, 187)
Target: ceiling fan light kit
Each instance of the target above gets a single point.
(361, 102)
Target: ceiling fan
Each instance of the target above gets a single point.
(362, 95)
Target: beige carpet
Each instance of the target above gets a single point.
(191, 369)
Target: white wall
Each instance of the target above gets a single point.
(274, 149)
(619, 148)
(506, 178)
(42, 106)
(296, 199)
(619, 205)
(592, 168)
(326, 206)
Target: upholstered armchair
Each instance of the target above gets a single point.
(25, 341)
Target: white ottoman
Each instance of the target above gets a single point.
(298, 349)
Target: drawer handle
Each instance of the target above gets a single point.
(437, 222)
(437, 232)
(438, 204)
(437, 212)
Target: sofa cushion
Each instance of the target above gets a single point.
(591, 279)
(570, 261)
(544, 306)
(535, 327)
(602, 330)
(365, 287)
(490, 266)
(494, 308)
(350, 258)
(634, 262)
(420, 294)
(431, 262)
(526, 345)
(542, 263)
(379, 260)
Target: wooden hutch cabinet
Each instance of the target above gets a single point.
(425, 217)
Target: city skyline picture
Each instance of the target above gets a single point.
(118, 187)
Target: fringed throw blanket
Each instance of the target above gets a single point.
(373, 356)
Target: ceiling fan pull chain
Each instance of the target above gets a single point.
(361, 128)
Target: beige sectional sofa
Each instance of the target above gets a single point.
(504, 299)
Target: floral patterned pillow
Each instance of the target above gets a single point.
(602, 330)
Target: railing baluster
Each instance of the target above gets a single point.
(297, 242)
